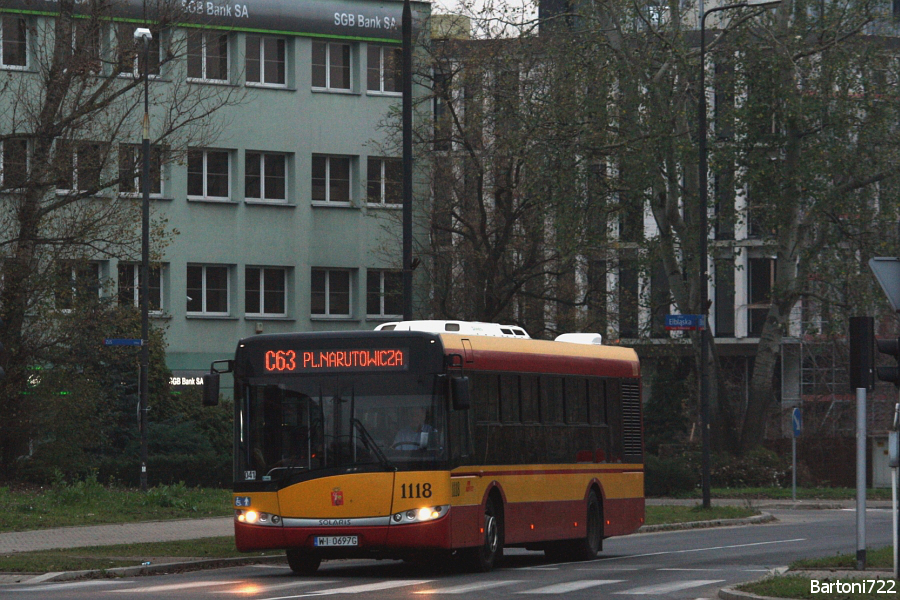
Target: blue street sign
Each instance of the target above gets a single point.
(121, 342)
(685, 322)
(797, 422)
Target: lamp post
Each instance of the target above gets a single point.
(704, 245)
(142, 33)
(406, 26)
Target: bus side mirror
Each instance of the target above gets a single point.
(211, 389)
(459, 388)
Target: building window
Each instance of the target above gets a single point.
(207, 290)
(15, 163)
(208, 174)
(385, 181)
(384, 72)
(130, 52)
(762, 280)
(331, 66)
(266, 292)
(14, 46)
(86, 43)
(130, 287)
(265, 60)
(384, 293)
(79, 165)
(207, 56)
(265, 176)
(330, 293)
(131, 169)
(75, 283)
(331, 179)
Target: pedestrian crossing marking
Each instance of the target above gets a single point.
(471, 587)
(171, 587)
(571, 586)
(358, 589)
(665, 588)
(250, 587)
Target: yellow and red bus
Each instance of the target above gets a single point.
(527, 443)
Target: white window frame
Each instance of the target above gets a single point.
(205, 195)
(262, 289)
(135, 276)
(204, 287)
(262, 61)
(328, 314)
(328, 86)
(382, 182)
(204, 45)
(3, 63)
(380, 273)
(381, 65)
(76, 149)
(262, 170)
(135, 150)
(328, 201)
(73, 278)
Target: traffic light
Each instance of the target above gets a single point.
(889, 346)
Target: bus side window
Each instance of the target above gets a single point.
(552, 402)
(530, 399)
(597, 401)
(509, 399)
(576, 400)
(486, 397)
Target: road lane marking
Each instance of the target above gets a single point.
(679, 569)
(171, 587)
(61, 586)
(665, 588)
(358, 589)
(793, 541)
(470, 587)
(249, 587)
(572, 586)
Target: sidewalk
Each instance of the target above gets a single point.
(107, 535)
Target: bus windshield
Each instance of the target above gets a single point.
(361, 421)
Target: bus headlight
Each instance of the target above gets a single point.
(251, 517)
(419, 515)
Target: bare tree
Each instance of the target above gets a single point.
(70, 129)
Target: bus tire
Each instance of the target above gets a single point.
(589, 546)
(303, 562)
(483, 557)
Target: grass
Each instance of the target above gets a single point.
(89, 503)
(660, 515)
(778, 493)
(122, 555)
(796, 585)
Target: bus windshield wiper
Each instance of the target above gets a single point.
(372, 445)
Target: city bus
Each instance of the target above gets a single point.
(520, 443)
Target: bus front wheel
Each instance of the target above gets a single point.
(303, 562)
(483, 557)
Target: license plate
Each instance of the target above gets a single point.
(337, 540)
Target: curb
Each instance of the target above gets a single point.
(214, 563)
(152, 569)
(755, 520)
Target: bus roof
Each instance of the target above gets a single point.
(464, 327)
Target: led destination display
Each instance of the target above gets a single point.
(292, 361)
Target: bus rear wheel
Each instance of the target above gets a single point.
(482, 558)
(585, 548)
(303, 562)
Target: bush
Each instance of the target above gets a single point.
(671, 476)
(758, 468)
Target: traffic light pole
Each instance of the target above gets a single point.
(860, 479)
